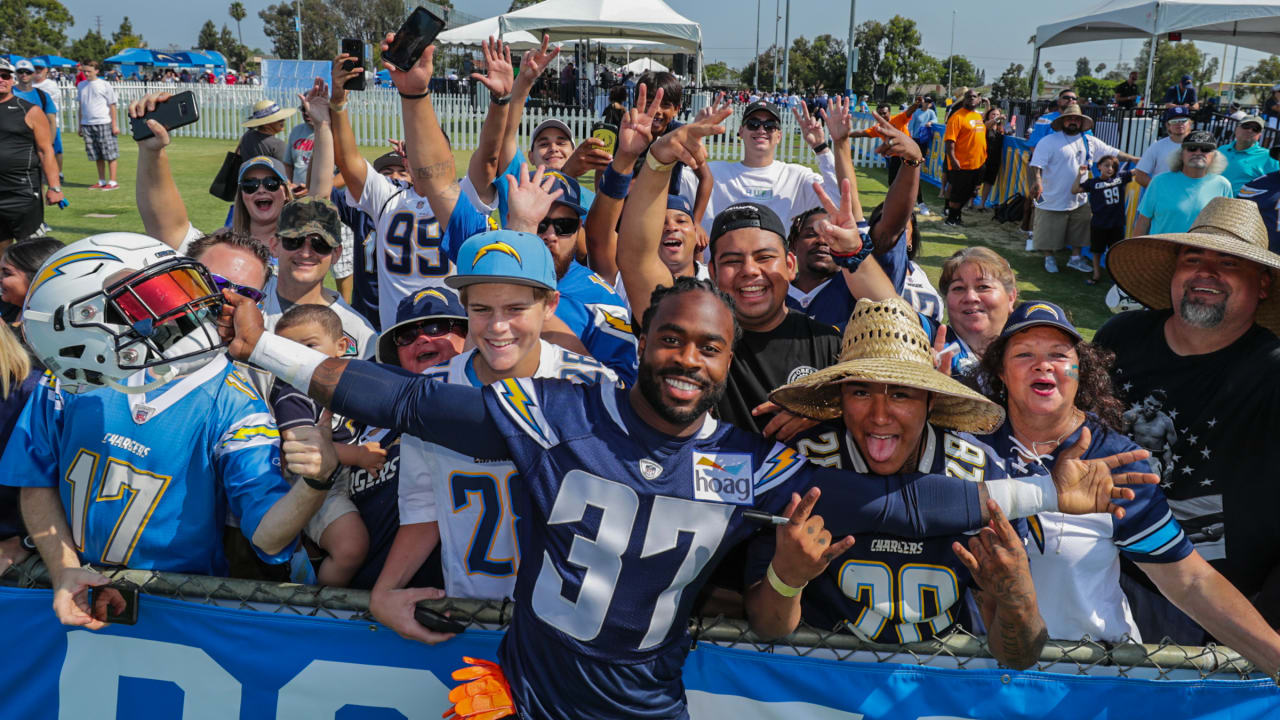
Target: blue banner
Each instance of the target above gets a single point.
(198, 662)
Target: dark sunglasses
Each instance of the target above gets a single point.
(222, 283)
(563, 226)
(319, 245)
(757, 123)
(1068, 97)
(25, 72)
(249, 187)
(1199, 148)
(6, 75)
(434, 328)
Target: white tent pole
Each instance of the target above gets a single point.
(1151, 63)
(700, 57)
(1231, 96)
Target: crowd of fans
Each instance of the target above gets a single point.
(836, 345)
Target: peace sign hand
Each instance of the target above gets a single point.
(636, 130)
(537, 59)
(804, 548)
(684, 144)
(839, 121)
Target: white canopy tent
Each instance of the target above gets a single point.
(608, 20)
(641, 65)
(477, 32)
(1251, 24)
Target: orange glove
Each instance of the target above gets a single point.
(484, 696)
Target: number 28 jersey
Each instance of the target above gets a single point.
(469, 497)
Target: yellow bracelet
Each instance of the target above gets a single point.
(338, 107)
(656, 166)
(780, 587)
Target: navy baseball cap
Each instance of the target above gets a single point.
(1186, 78)
(267, 162)
(747, 215)
(571, 197)
(1040, 312)
(386, 160)
(677, 202)
(504, 256)
(1177, 112)
(426, 304)
(762, 105)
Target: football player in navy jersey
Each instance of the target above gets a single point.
(900, 416)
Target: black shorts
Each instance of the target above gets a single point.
(991, 169)
(1101, 238)
(20, 220)
(964, 183)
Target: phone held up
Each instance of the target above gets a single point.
(355, 48)
(173, 113)
(115, 603)
(413, 38)
(608, 132)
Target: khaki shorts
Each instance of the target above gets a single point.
(1056, 229)
(336, 504)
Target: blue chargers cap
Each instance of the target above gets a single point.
(1177, 112)
(504, 256)
(572, 195)
(265, 161)
(1039, 312)
(426, 304)
(678, 202)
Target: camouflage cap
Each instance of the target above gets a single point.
(310, 216)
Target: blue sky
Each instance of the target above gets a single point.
(991, 33)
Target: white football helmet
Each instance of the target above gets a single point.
(105, 307)
(1120, 301)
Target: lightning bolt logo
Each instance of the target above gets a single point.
(600, 281)
(778, 464)
(617, 323)
(1041, 306)
(515, 396)
(429, 293)
(247, 433)
(498, 247)
(56, 268)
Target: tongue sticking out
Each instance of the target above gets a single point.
(880, 449)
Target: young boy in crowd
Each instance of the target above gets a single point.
(1106, 200)
(336, 526)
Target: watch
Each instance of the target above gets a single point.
(917, 163)
(54, 188)
(501, 100)
(821, 147)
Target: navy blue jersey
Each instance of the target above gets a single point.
(364, 255)
(601, 319)
(1265, 191)
(832, 303)
(1106, 199)
(293, 408)
(887, 588)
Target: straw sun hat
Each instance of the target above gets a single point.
(1072, 111)
(1143, 266)
(266, 112)
(884, 343)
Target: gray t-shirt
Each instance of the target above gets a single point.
(298, 151)
(254, 143)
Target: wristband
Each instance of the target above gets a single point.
(780, 587)
(337, 107)
(287, 360)
(917, 163)
(501, 100)
(851, 261)
(1024, 497)
(821, 147)
(614, 184)
(415, 97)
(652, 163)
(323, 485)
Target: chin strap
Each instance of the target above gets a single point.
(163, 373)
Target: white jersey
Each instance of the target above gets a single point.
(470, 498)
(361, 337)
(408, 242)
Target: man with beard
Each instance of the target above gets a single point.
(965, 142)
(1173, 199)
(1061, 216)
(1209, 346)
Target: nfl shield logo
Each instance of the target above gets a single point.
(142, 413)
(650, 469)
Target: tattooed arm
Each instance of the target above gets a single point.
(998, 561)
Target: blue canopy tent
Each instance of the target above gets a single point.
(54, 61)
(13, 59)
(202, 58)
(145, 56)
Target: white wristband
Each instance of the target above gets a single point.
(1024, 497)
(286, 359)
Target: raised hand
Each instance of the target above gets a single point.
(338, 76)
(719, 104)
(684, 144)
(804, 546)
(1090, 486)
(538, 59)
(418, 77)
(840, 228)
(147, 104)
(997, 559)
(317, 101)
(529, 198)
(636, 130)
(499, 76)
(240, 325)
(941, 355)
(839, 121)
(896, 143)
(810, 127)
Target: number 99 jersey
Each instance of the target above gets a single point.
(886, 588)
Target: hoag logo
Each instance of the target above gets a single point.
(723, 477)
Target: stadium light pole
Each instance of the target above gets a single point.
(851, 62)
(756, 83)
(951, 61)
(297, 22)
(786, 51)
(777, 16)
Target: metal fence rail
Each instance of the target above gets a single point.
(959, 649)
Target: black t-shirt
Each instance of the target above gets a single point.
(1126, 89)
(1212, 437)
(765, 361)
(254, 143)
(19, 161)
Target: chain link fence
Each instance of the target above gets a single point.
(959, 649)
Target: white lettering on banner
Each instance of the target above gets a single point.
(324, 687)
(90, 679)
(714, 706)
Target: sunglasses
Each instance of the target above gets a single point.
(249, 187)
(222, 283)
(757, 123)
(1068, 97)
(563, 226)
(434, 328)
(1199, 148)
(6, 75)
(25, 72)
(319, 245)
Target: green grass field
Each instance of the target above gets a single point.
(195, 161)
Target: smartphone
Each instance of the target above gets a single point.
(355, 48)
(413, 37)
(607, 132)
(438, 622)
(115, 603)
(173, 113)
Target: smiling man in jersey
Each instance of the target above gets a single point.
(507, 281)
(900, 416)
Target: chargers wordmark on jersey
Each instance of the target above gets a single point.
(723, 477)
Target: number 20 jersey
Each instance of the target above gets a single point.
(619, 526)
(887, 588)
(469, 497)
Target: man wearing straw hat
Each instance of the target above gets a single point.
(1061, 216)
(1208, 344)
(903, 416)
(266, 120)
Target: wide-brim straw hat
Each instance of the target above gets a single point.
(266, 112)
(1143, 266)
(1072, 111)
(884, 343)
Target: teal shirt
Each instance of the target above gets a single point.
(1173, 200)
(1246, 165)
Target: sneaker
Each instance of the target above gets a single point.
(1050, 264)
(113, 185)
(922, 208)
(1031, 244)
(1077, 262)
(98, 185)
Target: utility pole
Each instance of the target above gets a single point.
(99, 17)
(951, 61)
(777, 17)
(851, 62)
(756, 83)
(786, 57)
(297, 23)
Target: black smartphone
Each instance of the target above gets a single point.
(115, 603)
(413, 37)
(438, 622)
(355, 48)
(173, 113)
(608, 132)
